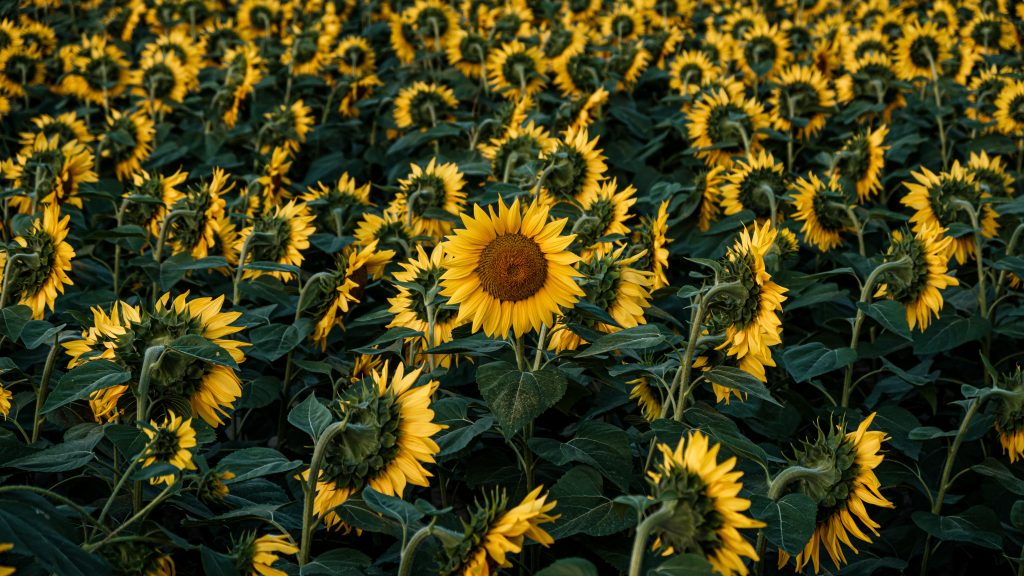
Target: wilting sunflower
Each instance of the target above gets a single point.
(277, 236)
(575, 169)
(519, 147)
(161, 82)
(821, 208)
(937, 200)
(285, 126)
(5, 405)
(389, 455)
(427, 191)
(1009, 114)
(343, 286)
(604, 214)
(753, 183)
(37, 268)
(336, 205)
(423, 106)
(919, 289)
(650, 238)
(873, 81)
(801, 92)
(724, 125)
(410, 304)
(690, 70)
(66, 127)
(242, 70)
(1010, 416)
(256, 556)
(509, 269)
(170, 442)
(861, 160)
(127, 140)
(707, 511)
(192, 221)
(751, 324)
(516, 70)
(95, 71)
(494, 531)
(991, 174)
(841, 495)
(48, 172)
(612, 284)
(763, 51)
(921, 51)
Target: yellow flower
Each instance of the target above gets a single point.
(279, 236)
(38, 268)
(149, 215)
(1010, 416)
(273, 182)
(623, 23)
(819, 205)
(48, 172)
(753, 184)
(170, 442)
(5, 403)
(286, 126)
(604, 214)
(67, 127)
(763, 51)
(708, 184)
(576, 169)
(355, 57)
(426, 191)
(519, 146)
(510, 269)
(6, 547)
(161, 81)
(410, 308)
(801, 92)
(861, 161)
(991, 174)
(127, 140)
(690, 70)
(95, 70)
(243, 69)
(921, 51)
(842, 497)
(647, 397)
(589, 108)
(258, 555)
(920, 291)
(197, 216)
(345, 284)
(872, 80)
(467, 51)
(20, 67)
(707, 509)
(338, 204)
(515, 70)
(724, 125)
(650, 237)
(1009, 114)
(423, 106)
(259, 18)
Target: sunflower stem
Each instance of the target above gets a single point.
(938, 110)
(44, 387)
(164, 227)
(242, 255)
(520, 354)
(120, 484)
(636, 558)
(117, 248)
(310, 487)
(865, 297)
(972, 213)
(409, 550)
(540, 347)
(1010, 247)
(769, 195)
(138, 516)
(851, 213)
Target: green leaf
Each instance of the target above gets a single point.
(737, 379)
(31, 524)
(599, 444)
(201, 348)
(569, 567)
(254, 462)
(401, 511)
(311, 416)
(724, 431)
(929, 433)
(948, 332)
(454, 413)
(128, 439)
(70, 455)
(890, 314)
(515, 398)
(273, 341)
(806, 361)
(216, 563)
(39, 332)
(683, 565)
(636, 338)
(790, 521)
(1017, 515)
(357, 513)
(995, 469)
(392, 335)
(84, 380)
(338, 562)
(174, 268)
(13, 320)
(978, 525)
(584, 507)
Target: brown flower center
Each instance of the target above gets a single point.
(512, 267)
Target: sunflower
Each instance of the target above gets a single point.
(5, 406)
(991, 33)
(723, 125)
(920, 289)
(623, 23)
(650, 238)
(690, 70)
(273, 182)
(991, 174)
(862, 43)
(36, 34)
(873, 81)
(49, 173)
(737, 22)
(515, 70)
(219, 37)
(507, 21)
(170, 442)
(181, 45)
(519, 147)
(921, 51)
(1009, 114)
(494, 531)
(67, 127)
(820, 206)
(937, 199)
(148, 196)
(580, 11)
(397, 417)
(604, 215)
(575, 169)
(192, 222)
(94, 71)
(1010, 415)
(983, 92)
(423, 106)
(612, 284)
(753, 184)
(707, 184)
(707, 512)
(841, 495)
(161, 81)
(99, 341)
(355, 57)
(589, 108)
(561, 40)
(127, 140)
(243, 69)
(861, 160)
(336, 205)
(388, 228)
(410, 305)
(578, 72)
(279, 236)
(428, 192)
(286, 126)
(259, 18)
(627, 63)
(344, 285)
(20, 67)
(751, 324)
(510, 269)
(256, 556)
(763, 51)
(212, 487)
(647, 397)
(432, 23)
(467, 51)
(37, 268)
(801, 92)
(306, 48)
(138, 558)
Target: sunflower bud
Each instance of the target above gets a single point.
(212, 487)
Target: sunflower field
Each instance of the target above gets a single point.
(520, 287)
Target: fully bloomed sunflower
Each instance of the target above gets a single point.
(801, 92)
(95, 70)
(516, 70)
(48, 172)
(388, 450)
(67, 127)
(707, 511)
(334, 207)
(650, 237)
(430, 198)
(170, 442)
(193, 221)
(753, 183)
(1009, 113)
(343, 286)
(920, 287)
(575, 169)
(725, 124)
(36, 269)
(820, 206)
(279, 236)
(510, 269)
(419, 282)
(424, 105)
(843, 493)
(177, 380)
(861, 160)
(148, 196)
(604, 215)
(494, 531)
(127, 141)
(161, 81)
(516, 149)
